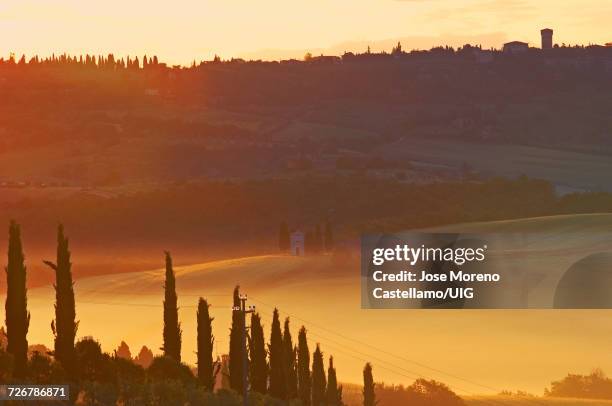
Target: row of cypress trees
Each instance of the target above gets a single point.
(281, 371)
(64, 326)
(85, 61)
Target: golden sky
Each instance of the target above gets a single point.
(182, 30)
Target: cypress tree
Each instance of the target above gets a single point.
(278, 385)
(309, 243)
(64, 326)
(318, 378)
(303, 368)
(369, 397)
(289, 355)
(17, 315)
(172, 327)
(258, 366)
(206, 343)
(334, 393)
(318, 239)
(329, 237)
(236, 348)
(284, 242)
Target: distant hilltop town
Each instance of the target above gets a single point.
(517, 47)
(512, 48)
(552, 51)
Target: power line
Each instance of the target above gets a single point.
(413, 374)
(396, 357)
(382, 351)
(340, 347)
(130, 304)
(96, 291)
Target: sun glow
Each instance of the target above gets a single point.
(184, 30)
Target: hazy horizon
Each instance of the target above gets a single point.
(186, 30)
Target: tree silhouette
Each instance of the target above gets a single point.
(172, 327)
(289, 356)
(92, 363)
(318, 239)
(206, 341)
(43, 370)
(334, 392)
(309, 243)
(284, 242)
(369, 396)
(64, 326)
(329, 237)
(318, 378)
(236, 349)
(278, 385)
(17, 315)
(259, 365)
(169, 369)
(303, 370)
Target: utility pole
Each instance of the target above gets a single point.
(245, 360)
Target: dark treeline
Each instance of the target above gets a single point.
(254, 210)
(85, 61)
(355, 203)
(278, 372)
(397, 52)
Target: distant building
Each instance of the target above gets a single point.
(297, 243)
(516, 47)
(547, 38)
(325, 60)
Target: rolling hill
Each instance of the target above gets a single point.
(474, 351)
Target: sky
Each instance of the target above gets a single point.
(183, 30)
